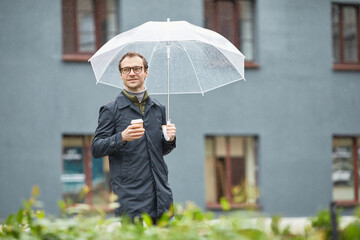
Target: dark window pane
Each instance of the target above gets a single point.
(350, 34)
(73, 177)
(246, 26)
(234, 20)
(68, 12)
(342, 175)
(345, 28)
(231, 169)
(209, 8)
(238, 186)
(81, 171)
(221, 178)
(111, 26)
(86, 26)
(225, 17)
(336, 33)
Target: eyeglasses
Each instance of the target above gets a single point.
(127, 70)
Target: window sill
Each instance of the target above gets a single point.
(347, 203)
(251, 65)
(346, 67)
(247, 206)
(89, 208)
(76, 57)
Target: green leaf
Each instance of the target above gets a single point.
(352, 231)
(61, 204)
(224, 204)
(148, 220)
(357, 212)
(275, 224)
(27, 205)
(20, 215)
(40, 214)
(164, 220)
(69, 202)
(10, 219)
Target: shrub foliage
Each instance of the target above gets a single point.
(80, 222)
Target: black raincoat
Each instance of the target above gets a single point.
(138, 172)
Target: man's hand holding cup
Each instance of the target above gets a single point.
(134, 131)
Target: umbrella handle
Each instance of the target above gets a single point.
(165, 132)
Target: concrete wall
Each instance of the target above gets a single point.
(294, 103)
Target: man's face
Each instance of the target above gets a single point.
(133, 81)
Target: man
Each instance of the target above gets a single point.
(138, 172)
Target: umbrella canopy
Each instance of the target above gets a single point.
(193, 59)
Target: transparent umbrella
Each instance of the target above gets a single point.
(183, 58)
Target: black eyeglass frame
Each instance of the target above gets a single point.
(132, 68)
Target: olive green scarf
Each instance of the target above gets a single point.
(141, 105)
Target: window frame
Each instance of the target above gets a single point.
(355, 147)
(342, 65)
(99, 12)
(236, 21)
(228, 159)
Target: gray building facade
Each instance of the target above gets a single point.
(294, 103)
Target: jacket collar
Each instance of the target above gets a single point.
(122, 102)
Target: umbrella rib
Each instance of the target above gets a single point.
(109, 84)
(98, 80)
(205, 91)
(124, 46)
(192, 64)
(154, 50)
(222, 85)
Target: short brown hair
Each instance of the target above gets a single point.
(133, 54)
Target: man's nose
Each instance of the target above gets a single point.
(132, 71)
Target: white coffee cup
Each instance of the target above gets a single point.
(138, 121)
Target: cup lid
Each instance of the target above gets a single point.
(137, 121)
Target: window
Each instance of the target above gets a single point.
(81, 170)
(231, 171)
(345, 175)
(346, 36)
(233, 19)
(87, 25)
